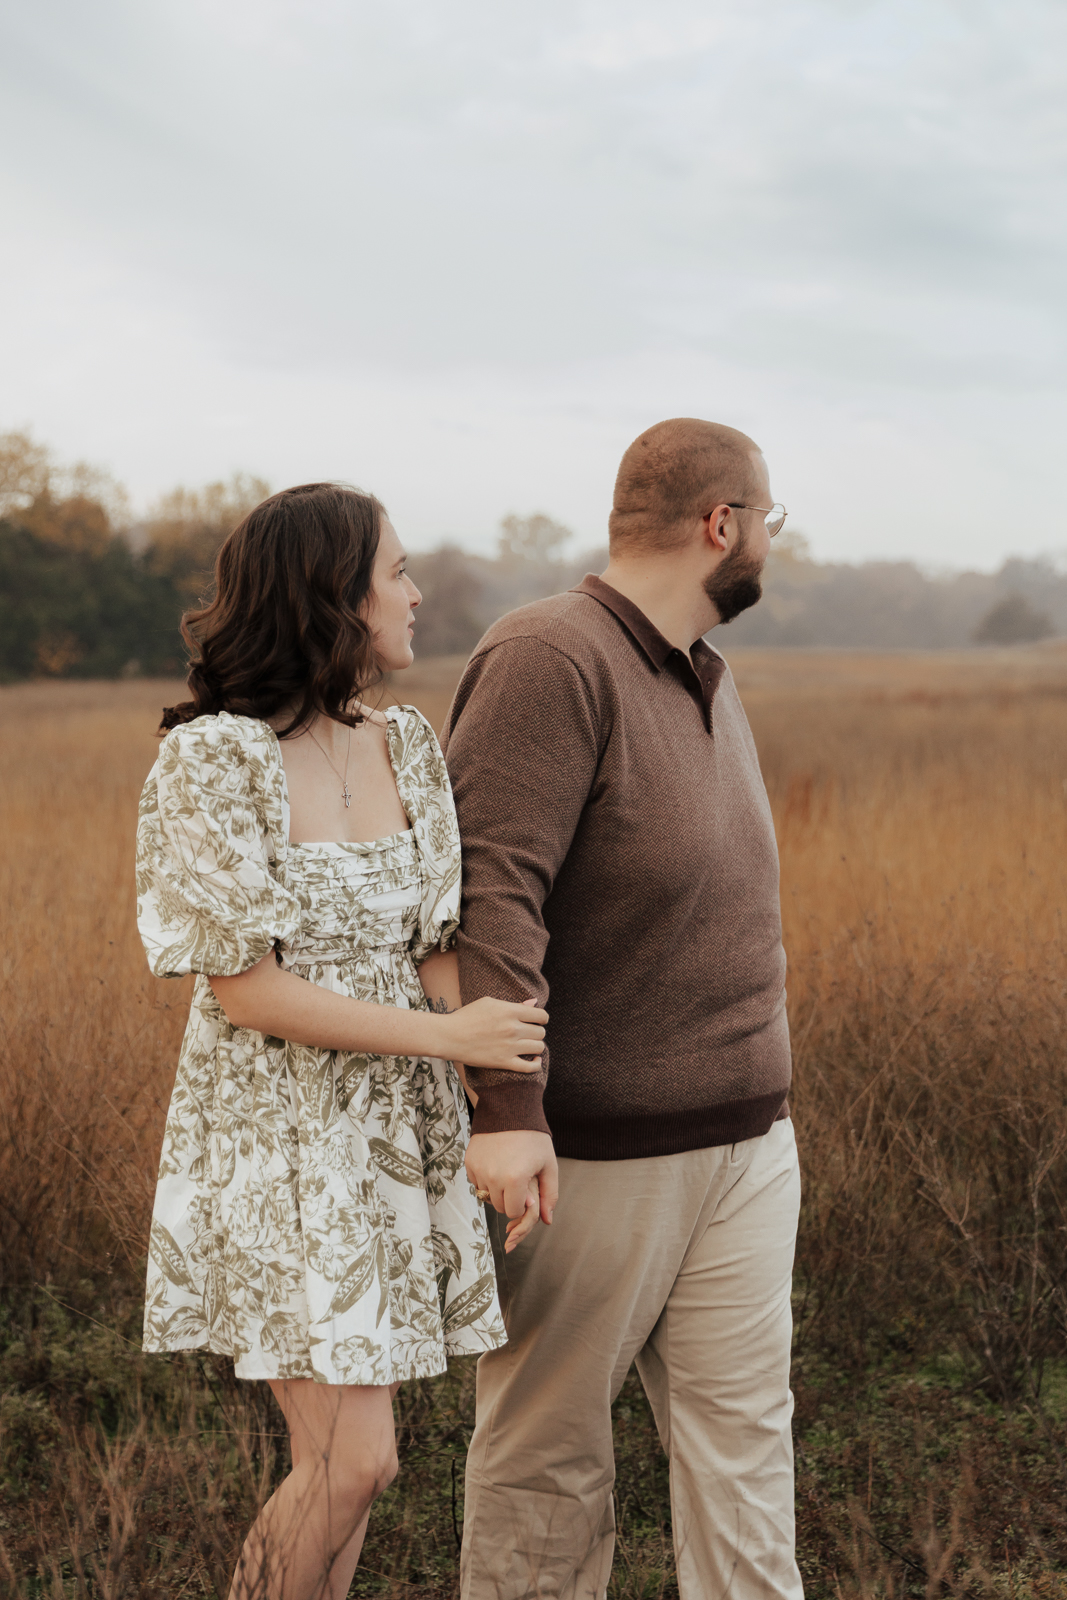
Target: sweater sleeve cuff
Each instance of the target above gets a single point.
(510, 1108)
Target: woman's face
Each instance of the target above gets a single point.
(393, 598)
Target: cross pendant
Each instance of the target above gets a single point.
(346, 797)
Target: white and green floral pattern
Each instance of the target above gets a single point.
(313, 1218)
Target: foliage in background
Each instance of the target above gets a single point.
(86, 593)
(184, 529)
(875, 606)
(1014, 620)
(50, 498)
(536, 539)
(81, 613)
(891, 605)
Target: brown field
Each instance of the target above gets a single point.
(921, 808)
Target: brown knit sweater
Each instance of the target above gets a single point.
(619, 864)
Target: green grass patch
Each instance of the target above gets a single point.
(124, 1475)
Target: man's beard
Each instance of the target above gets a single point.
(735, 584)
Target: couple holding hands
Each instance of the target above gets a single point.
(603, 981)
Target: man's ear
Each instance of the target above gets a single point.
(715, 527)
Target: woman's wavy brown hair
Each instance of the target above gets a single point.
(285, 630)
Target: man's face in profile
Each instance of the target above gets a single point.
(735, 584)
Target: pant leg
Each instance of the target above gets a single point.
(716, 1371)
(579, 1300)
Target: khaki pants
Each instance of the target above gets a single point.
(683, 1264)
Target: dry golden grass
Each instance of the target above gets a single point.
(921, 808)
(928, 793)
(89, 1038)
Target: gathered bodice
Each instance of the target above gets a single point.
(357, 900)
(219, 884)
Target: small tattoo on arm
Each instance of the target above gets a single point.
(441, 1006)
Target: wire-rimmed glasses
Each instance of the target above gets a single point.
(775, 517)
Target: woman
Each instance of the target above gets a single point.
(298, 851)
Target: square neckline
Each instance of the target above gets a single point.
(382, 840)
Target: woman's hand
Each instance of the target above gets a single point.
(519, 1227)
(518, 1172)
(495, 1033)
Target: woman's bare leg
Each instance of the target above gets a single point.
(306, 1541)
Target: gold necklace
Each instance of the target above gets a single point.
(345, 796)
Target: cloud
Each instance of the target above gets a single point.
(852, 209)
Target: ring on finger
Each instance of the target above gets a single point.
(481, 1194)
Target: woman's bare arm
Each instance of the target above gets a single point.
(270, 1000)
(439, 976)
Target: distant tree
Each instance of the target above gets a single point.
(185, 528)
(25, 470)
(791, 549)
(537, 538)
(448, 621)
(79, 523)
(82, 613)
(1013, 620)
(79, 507)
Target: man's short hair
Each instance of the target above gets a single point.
(672, 472)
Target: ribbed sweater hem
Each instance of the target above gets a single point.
(631, 1137)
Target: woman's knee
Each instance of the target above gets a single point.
(382, 1467)
(388, 1467)
(359, 1476)
(348, 1431)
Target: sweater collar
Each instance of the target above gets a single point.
(657, 648)
(701, 671)
(633, 619)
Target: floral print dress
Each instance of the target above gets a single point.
(312, 1218)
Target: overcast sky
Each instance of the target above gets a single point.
(461, 252)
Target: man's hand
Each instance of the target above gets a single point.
(519, 1170)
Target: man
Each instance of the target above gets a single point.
(620, 865)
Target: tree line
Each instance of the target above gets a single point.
(86, 591)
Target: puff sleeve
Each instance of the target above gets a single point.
(422, 780)
(210, 826)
